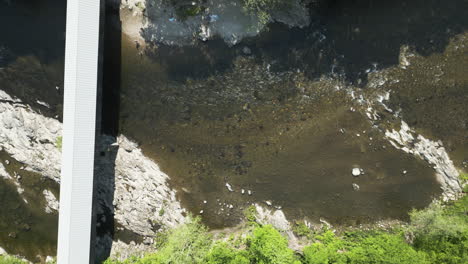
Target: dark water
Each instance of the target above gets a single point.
(32, 34)
(32, 42)
(211, 115)
(25, 228)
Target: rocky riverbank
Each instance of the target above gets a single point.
(183, 23)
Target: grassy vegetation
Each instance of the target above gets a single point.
(10, 260)
(435, 235)
(58, 143)
(263, 8)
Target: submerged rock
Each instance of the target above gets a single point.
(172, 24)
(356, 187)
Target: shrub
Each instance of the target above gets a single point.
(267, 246)
(222, 253)
(263, 8)
(10, 260)
(384, 248)
(329, 249)
(187, 243)
(442, 232)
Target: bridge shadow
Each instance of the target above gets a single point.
(107, 131)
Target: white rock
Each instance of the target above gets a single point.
(229, 187)
(356, 172)
(431, 151)
(52, 202)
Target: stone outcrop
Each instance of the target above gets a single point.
(130, 187)
(29, 137)
(432, 152)
(227, 19)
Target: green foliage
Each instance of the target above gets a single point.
(442, 232)
(439, 234)
(10, 260)
(329, 249)
(188, 243)
(267, 246)
(250, 214)
(263, 8)
(384, 248)
(161, 211)
(222, 253)
(300, 229)
(58, 143)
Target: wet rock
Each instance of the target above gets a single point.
(52, 204)
(24, 136)
(356, 187)
(356, 172)
(224, 18)
(246, 51)
(431, 151)
(229, 187)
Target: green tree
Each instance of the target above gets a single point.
(268, 246)
(328, 250)
(384, 248)
(222, 253)
(10, 260)
(442, 232)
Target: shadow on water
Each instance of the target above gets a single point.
(25, 228)
(107, 131)
(344, 36)
(32, 36)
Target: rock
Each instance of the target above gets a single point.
(7, 162)
(201, 211)
(52, 202)
(268, 202)
(50, 259)
(226, 19)
(356, 187)
(12, 235)
(25, 227)
(2, 251)
(229, 187)
(356, 172)
(242, 191)
(431, 151)
(205, 202)
(249, 192)
(404, 172)
(246, 50)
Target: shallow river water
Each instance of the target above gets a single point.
(275, 120)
